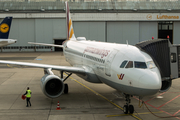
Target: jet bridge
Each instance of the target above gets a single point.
(166, 57)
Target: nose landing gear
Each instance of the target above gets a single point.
(128, 108)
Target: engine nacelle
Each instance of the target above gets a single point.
(165, 85)
(52, 86)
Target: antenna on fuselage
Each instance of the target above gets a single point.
(127, 42)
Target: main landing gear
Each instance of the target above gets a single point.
(66, 89)
(128, 108)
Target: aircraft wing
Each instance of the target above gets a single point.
(43, 44)
(45, 66)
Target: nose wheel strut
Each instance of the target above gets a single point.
(128, 108)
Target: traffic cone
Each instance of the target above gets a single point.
(58, 108)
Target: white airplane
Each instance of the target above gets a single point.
(123, 67)
(5, 26)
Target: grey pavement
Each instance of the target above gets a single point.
(80, 104)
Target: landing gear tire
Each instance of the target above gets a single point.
(125, 109)
(65, 88)
(128, 108)
(131, 109)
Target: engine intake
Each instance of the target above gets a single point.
(52, 86)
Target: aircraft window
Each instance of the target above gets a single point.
(130, 64)
(140, 65)
(151, 64)
(123, 64)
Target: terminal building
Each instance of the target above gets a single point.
(116, 21)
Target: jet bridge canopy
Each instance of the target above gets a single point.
(165, 55)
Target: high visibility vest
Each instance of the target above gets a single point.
(28, 95)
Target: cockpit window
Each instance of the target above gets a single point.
(130, 64)
(151, 64)
(123, 64)
(140, 65)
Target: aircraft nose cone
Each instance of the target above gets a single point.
(151, 83)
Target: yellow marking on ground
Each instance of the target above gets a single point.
(133, 114)
(20, 66)
(11, 66)
(118, 115)
(103, 97)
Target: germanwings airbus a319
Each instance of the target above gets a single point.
(5, 26)
(123, 67)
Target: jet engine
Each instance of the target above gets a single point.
(165, 85)
(52, 86)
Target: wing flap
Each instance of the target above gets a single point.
(45, 66)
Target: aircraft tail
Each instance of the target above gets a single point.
(5, 26)
(70, 31)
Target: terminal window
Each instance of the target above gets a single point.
(165, 25)
(165, 29)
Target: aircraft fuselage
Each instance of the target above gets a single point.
(123, 67)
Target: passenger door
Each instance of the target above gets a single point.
(109, 62)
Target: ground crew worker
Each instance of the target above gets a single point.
(28, 96)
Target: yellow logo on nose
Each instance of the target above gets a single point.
(120, 76)
(4, 28)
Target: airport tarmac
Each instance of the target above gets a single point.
(85, 101)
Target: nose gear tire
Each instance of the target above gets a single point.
(125, 109)
(131, 109)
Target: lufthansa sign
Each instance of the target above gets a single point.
(167, 17)
(162, 17)
(149, 16)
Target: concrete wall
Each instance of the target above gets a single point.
(133, 32)
(45, 30)
(176, 34)
(90, 30)
(119, 32)
(147, 30)
(36, 30)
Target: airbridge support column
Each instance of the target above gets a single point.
(174, 62)
(178, 59)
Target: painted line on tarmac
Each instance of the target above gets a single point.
(13, 66)
(155, 97)
(103, 97)
(19, 66)
(10, 66)
(176, 113)
(133, 113)
(172, 115)
(169, 101)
